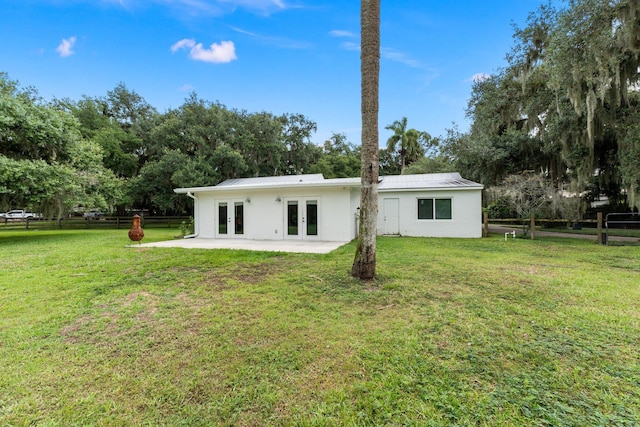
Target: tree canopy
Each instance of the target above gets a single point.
(46, 162)
(408, 144)
(566, 105)
(117, 152)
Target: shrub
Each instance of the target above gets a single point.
(187, 228)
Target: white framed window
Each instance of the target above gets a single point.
(433, 208)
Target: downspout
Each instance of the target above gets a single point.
(195, 217)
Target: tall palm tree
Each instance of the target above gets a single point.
(364, 264)
(409, 142)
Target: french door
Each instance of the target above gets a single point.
(230, 218)
(302, 221)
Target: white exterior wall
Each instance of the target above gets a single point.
(265, 205)
(205, 210)
(265, 218)
(466, 209)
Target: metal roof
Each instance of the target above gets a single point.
(271, 180)
(449, 180)
(387, 183)
(286, 181)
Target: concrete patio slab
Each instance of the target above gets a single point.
(293, 246)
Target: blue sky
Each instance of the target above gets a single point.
(279, 56)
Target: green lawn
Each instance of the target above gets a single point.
(453, 332)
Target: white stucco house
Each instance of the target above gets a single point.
(310, 207)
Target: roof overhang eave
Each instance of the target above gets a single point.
(189, 190)
(319, 184)
(265, 187)
(396, 190)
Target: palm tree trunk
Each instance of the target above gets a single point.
(364, 264)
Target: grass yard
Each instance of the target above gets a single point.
(453, 332)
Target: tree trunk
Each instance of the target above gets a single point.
(364, 264)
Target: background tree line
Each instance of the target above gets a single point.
(565, 108)
(564, 113)
(117, 152)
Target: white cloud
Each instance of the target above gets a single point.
(385, 52)
(394, 55)
(257, 4)
(187, 88)
(281, 42)
(208, 7)
(479, 77)
(351, 46)
(194, 7)
(342, 33)
(65, 48)
(346, 45)
(189, 43)
(223, 52)
(263, 6)
(245, 32)
(217, 53)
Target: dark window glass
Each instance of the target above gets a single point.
(292, 218)
(222, 218)
(443, 208)
(239, 218)
(434, 209)
(312, 218)
(425, 208)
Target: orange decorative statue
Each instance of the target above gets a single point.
(136, 234)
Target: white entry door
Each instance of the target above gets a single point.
(301, 218)
(230, 219)
(391, 216)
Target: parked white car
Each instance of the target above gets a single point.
(19, 214)
(93, 214)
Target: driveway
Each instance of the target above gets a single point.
(294, 246)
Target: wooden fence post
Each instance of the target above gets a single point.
(485, 224)
(532, 227)
(600, 238)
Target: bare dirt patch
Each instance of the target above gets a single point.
(125, 317)
(162, 318)
(252, 274)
